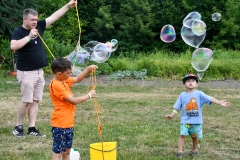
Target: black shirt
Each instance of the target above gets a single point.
(32, 56)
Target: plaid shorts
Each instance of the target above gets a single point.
(62, 139)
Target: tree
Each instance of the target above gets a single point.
(11, 14)
(228, 27)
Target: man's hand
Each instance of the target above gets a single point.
(33, 33)
(72, 3)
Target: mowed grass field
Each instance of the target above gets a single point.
(134, 117)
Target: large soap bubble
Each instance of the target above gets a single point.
(198, 27)
(168, 34)
(76, 70)
(93, 51)
(201, 59)
(216, 16)
(190, 38)
(91, 44)
(79, 59)
(101, 52)
(187, 22)
(193, 31)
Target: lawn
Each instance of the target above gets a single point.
(133, 117)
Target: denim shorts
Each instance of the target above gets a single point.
(194, 130)
(62, 139)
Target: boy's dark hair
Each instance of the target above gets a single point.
(189, 76)
(60, 65)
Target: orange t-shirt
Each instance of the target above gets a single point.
(63, 112)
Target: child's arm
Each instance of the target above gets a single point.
(222, 102)
(76, 100)
(84, 73)
(170, 116)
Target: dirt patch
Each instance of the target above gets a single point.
(158, 82)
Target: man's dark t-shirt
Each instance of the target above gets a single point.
(31, 56)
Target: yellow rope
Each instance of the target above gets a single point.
(46, 45)
(79, 26)
(78, 38)
(97, 107)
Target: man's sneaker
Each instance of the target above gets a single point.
(18, 131)
(35, 132)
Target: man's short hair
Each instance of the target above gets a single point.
(28, 11)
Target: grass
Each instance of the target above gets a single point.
(133, 117)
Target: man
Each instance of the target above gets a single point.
(31, 58)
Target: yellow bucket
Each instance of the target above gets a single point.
(103, 151)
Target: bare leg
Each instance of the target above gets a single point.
(32, 113)
(21, 112)
(181, 143)
(66, 154)
(56, 156)
(194, 144)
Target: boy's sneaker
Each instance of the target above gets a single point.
(33, 131)
(18, 131)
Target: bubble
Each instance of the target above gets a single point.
(91, 44)
(101, 53)
(198, 27)
(76, 70)
(216, 16)
(201, 59)
(78, 60)
(193, 31)
(168, 33)
(114, 43)
(190, 38)
(192, 16)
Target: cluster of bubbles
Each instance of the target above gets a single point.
(93, 51)
(193, 33)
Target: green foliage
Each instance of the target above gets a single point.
(136, 28)
(164, 64)
(56, 47)
(228, 36)
(104, 68)
(64, 29)
(6, 52)
(135, 24)
(11, 14)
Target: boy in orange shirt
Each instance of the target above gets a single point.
(62, 120)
